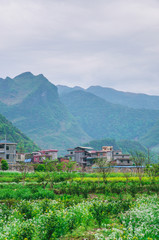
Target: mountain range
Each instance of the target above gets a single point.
(33, 105)
(62, 117)
(132, 100)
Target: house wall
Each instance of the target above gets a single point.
(79, 155)
(20, 157)
(8, 152)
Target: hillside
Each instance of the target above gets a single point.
(15, 135)
(132, 100)
(37, 111)
(33, 105)
(151, 138)
(101, 119)
(127, 146)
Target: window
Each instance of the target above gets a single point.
(7, 147)
(2, 146)
(7, 156)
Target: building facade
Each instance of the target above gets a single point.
(8, 151)
(86, 156)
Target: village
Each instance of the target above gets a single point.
(84, 157)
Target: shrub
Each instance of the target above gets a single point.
(99, 212)
(41, 168)
(25, 208)
(25, 231)
(4, 165)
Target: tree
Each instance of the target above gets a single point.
(24, 169)
(70, 166)
(40, 168)
(4, 164)
(139, 159)
(50, 165)
(104, 167)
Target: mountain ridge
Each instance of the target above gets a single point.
(129, 99)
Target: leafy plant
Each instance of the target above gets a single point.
(4, 164)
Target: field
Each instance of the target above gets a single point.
(64, 205)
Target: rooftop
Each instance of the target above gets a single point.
(6, 142)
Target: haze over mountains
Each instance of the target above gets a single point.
(133, 100)
(62, 117)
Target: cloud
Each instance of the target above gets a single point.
(112, 43)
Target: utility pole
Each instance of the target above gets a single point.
(5, 141)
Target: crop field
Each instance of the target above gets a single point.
(64, 205)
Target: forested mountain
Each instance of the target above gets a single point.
(151, 138)
(102, 119)
(132, 100)
(15, 135)
(127, 146)
(33, 105)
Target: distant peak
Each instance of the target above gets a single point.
(25, 74)
(40, 75)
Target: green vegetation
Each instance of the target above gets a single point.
(32, 104)
(13, 134)
(4, 165)
(127, 146)
(77, 209)
(151, 138)
(79, 118)
(132, 100)
(101, 119)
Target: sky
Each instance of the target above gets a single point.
(111, 43)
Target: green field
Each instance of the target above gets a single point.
(42, 206)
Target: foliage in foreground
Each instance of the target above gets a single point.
(50, 219)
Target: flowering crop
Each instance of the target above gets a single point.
(50, 219)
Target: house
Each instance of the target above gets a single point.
(8, 151)
(82, 155)
(20, 157)
(51, 152)
(24, 157)
(120, 159)
(86, 156)
(39, 157)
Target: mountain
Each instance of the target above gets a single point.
(102, 119)
(33, 105)
(132, 100)
(127, 146)
(15, 135)
(64, 89)
(151, 138)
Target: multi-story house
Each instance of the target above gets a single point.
(86, 156)
(120, 159)
(8, 151)
(82, 155)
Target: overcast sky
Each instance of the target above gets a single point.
(112, 43)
